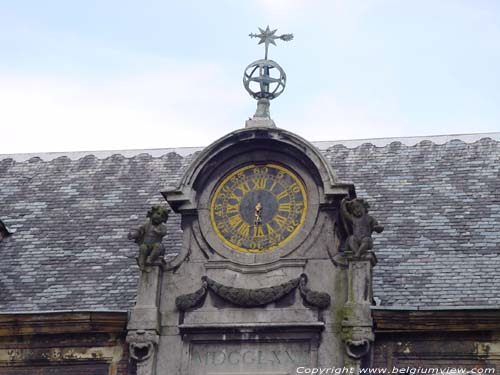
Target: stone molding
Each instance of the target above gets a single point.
(256, 267)
(18, 324)
(80, 340)
(389, 320)
(183, 197)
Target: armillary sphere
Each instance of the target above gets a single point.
(264, 79)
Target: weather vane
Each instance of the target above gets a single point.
(268, 36)
(264, 79)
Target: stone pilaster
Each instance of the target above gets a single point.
(144, 324)
(357, 324)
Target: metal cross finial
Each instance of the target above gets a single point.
(268, 36)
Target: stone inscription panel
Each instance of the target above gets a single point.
(244, 358)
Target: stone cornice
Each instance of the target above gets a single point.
(452, 320)
(62, 323)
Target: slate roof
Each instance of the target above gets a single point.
(440, 204)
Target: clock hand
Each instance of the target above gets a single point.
(258, 213)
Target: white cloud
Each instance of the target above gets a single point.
(332, 13)
(181, 105)
(177, 106)
(281, 10)
(326, 116)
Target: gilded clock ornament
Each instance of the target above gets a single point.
(258, 207)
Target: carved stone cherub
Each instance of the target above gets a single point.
(359, 225)
(150, 235)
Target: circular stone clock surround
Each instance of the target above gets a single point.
(258, 207)
(241, 161)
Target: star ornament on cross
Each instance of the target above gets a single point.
(269, 36)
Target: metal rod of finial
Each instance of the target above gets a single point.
(259, 72)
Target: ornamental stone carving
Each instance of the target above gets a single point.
(192, 300)
(142, 344)
(359, 225)
(311, 297)
(253, 297)
(149, 236)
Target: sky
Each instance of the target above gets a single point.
(110, 75)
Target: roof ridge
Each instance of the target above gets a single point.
(468, 138)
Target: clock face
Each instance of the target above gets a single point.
(258, 207)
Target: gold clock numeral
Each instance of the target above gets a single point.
(253, 245)
(275, 182)
(245, 187)
(243, 229)
(282, 195)
(280, 220)
(235, 197)
(235, 220)
(287, 207)
(270, 229)
(294, 188)
(226, 189)
(232, 209)
(275, 238)
(259, 232)
(259, 183)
